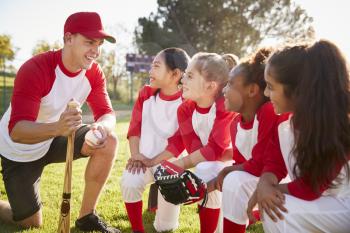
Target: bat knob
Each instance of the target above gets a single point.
(73, 104)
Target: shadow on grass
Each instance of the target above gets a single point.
(10, 228)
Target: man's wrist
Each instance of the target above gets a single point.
(54, 130)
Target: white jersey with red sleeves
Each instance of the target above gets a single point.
(207, 129)
(43, 87)
(253, 142)
(298, 186)
(154, 120)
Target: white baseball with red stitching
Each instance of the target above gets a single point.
(92, 137)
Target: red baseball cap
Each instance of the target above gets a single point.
(88, 24)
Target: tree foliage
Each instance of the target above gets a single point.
(112, 70)
(43, 46)
(222, 26)
(7, 51)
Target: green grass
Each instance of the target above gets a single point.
(111, 206)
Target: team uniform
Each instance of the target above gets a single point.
(154, 121)
(43, 87)
(207, 129)
(325, 211)
(253, 147)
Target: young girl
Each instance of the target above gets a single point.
(312, 82)
(152, 131)
(204, 126)
(251, 132)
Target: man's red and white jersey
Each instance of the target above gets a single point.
(43, 88)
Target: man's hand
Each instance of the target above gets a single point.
(101, 143)
(70, 120)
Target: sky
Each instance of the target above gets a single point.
(28, 21)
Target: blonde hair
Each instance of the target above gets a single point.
(212, 67)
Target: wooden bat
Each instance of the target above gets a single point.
(64, 222)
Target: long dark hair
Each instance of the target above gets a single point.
(316, 80)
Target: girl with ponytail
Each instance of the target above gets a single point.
(312, 82)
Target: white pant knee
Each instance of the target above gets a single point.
(325, 214)
(208, 171)
(237, 189)
(132, 186)
(167, 215)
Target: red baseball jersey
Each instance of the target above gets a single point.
(43, 87)
(154, 120)
(206, 129)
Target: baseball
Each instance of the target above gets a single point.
(92, 137)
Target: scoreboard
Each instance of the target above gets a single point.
(138, 63)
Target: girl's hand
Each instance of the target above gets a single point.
(270, 201)
(220, 178)
(146, 161)
(135, 166)
(211, 185)
(138, 156)
(253, 201)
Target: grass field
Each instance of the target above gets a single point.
(111, 206)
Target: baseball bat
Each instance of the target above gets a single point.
(64, 221)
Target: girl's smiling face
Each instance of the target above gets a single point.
(275, 91)
(235, 91)
(193, 83)
(160, 75)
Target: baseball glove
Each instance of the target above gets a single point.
(179, 186)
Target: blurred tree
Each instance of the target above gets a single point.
(112, 70)
(7, 51)
(222, 26)
(43, 46)
(112, 61)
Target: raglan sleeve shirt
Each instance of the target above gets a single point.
(301, 188)
(219, 138)
(98, 99)
(273, 158)
(190, 139)
(33, 81)
(265, 147)
(136, 116)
